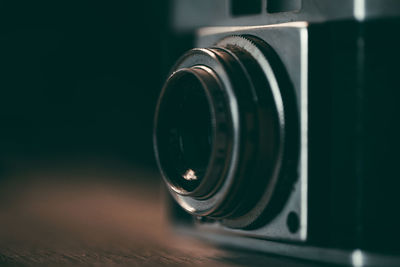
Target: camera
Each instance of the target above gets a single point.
(279, 131)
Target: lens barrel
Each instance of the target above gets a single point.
(226, 132)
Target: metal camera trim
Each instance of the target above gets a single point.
(294, 56)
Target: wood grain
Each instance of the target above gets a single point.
(98, 218)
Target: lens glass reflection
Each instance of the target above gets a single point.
(185, 118)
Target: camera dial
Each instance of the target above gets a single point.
(226, 132)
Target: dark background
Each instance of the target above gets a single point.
(79, 83)
(79, 80)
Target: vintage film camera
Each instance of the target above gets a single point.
(279, 132)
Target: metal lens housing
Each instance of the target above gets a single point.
(226, 132)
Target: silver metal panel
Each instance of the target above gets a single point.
(294, 56)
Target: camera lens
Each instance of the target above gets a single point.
(226, 132)
(193, 129)
(186, 128)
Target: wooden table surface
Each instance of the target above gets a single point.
(99, 217)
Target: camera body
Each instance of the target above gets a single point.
(279, 132)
